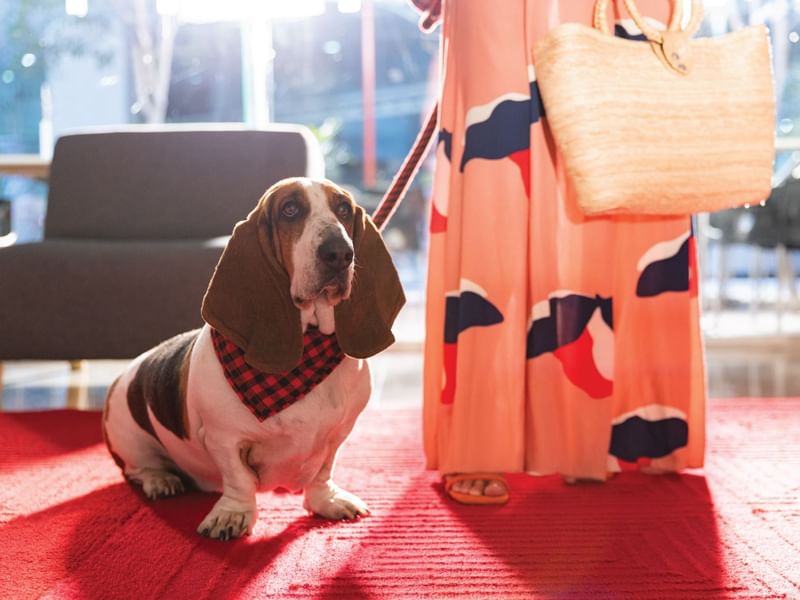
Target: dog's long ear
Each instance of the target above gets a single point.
(364, 322)
(248, 299)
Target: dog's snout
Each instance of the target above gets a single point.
(336, 252)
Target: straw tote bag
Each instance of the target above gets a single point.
(673, 126)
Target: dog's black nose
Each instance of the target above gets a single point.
(336, 252)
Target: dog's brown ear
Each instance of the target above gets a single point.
(248, 299)
(364, 322)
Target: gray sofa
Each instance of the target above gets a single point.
(136, 221)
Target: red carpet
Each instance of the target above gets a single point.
(70, 528)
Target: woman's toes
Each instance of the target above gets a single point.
(462, 486)
(495, 488)
(480, 487)
(477, 487)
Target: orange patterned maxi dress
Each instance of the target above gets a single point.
(556, 343)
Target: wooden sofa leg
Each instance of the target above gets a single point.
(78, 389)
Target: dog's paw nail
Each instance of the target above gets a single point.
(205, 532)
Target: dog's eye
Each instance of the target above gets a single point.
(290, 210)
(344, 210)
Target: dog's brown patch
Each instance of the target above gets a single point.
(160, 383)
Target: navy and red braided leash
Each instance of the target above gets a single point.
(388, 204)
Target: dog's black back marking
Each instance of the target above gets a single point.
(160, 383)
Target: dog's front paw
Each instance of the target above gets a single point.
(228, 519)
(332, 502)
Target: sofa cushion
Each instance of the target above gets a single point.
(68, 299)
(170, 181)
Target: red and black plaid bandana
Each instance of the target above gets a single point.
(266, 394)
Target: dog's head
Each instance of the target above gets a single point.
(306, 244)
(311, 229)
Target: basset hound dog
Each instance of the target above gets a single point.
(264, 394)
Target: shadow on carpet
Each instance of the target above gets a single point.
(71, 528)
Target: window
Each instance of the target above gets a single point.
(68, 64)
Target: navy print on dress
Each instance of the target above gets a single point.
(578, 331)
(467, 309)
(446, 138)
(566, 322)
(637, 438)
(635, 35)
(668, 274)
(501, 129)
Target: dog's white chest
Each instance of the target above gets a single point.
(297, 440)
(286, 449)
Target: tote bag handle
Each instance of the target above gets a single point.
(654, 35)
